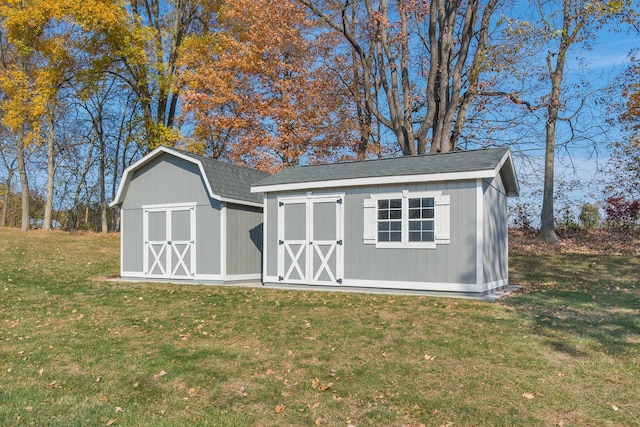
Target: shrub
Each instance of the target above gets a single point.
(622, 213)
(590, 216)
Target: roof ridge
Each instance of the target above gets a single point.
(402, 157)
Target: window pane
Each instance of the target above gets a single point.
(414, 203)
(383, 236)
(427, 213)
(395, 203)
(383, 204)
(414, 236)
(395, 236)
(397, 226)
(383, 214)
(427, 225)
(395, 214)
(428, 202)
(383, 226)
(414, 225)
(414, 213)
(427, 236)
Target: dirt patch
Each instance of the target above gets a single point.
(576, 241)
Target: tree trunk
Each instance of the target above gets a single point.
(48, 207)
(103, 201)
(547, 227)
(5, 204)
(24, 181)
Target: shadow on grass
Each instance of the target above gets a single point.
(580, 303)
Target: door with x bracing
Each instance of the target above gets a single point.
(310, 241)
(169, 242)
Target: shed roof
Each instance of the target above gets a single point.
(224, 181)
(484, 163)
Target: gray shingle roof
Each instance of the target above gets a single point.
(228, 180)
(453, 162)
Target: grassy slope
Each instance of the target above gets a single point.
(76, 349)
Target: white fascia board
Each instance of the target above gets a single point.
(237, 201)
(128, 172)
(507, 156)
(379, 180)
(126, 176)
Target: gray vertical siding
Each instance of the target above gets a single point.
(132, 240)
(208, 250)
(244, 239)
(495, 231)
(168, 180)
(448, 263)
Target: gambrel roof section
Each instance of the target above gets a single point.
(457, 165)
(225, 182)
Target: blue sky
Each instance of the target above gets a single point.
(601, 65)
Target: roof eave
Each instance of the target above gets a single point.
(359, 182)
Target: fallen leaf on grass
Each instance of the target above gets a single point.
(428, 358)
(192, 391)
(319, 421)
(279, 408)
(159, 374)
(315, 383)
(185, 336)
(614, 407)
(527, 395)
(54, 385)
(111, 422)
(41, 371)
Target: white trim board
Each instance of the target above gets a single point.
(380, 180)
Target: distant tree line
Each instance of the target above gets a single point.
(88, 87)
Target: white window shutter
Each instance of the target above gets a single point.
(369, 221)
(443, 219)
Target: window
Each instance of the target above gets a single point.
(390, 220)
(407, 219)
(422, 214)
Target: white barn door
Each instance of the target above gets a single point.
(169, 241)
(310, 240)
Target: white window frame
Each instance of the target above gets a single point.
(441, 219)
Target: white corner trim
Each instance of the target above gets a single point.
(223, 240)
(479, 233)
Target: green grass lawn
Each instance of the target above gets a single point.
(79, 350)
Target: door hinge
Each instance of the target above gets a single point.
(280, 204)
(339, 242)
(280, 278)
(281, 242)
(339, 201)
(339, 281)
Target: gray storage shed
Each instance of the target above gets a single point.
(187, 217)
(428, 223)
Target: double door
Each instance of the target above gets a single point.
(169, 241)
(310, 240)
